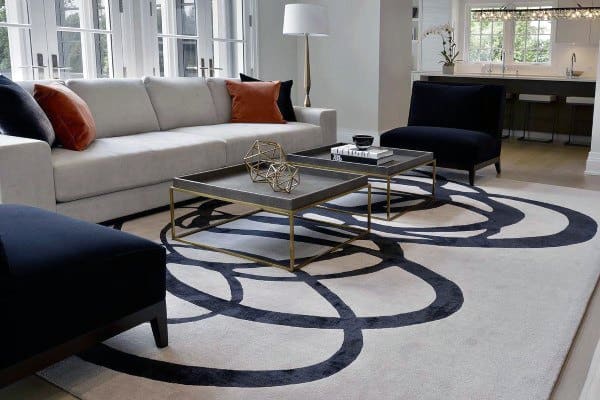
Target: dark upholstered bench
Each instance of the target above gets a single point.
(461, 124)
(66, 285)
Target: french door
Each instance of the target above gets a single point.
(203, 37)
(60, 39)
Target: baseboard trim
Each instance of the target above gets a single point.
(593, 164)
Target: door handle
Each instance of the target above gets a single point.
(212, 68)
(56, 68)
(203, 68)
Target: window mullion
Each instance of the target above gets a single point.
(170, 45)
(88, 50)
(202, 8)
(509, 40)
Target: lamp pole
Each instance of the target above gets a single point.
(306, 72)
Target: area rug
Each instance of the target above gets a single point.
(476, 295)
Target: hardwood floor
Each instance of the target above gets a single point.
(552, 164)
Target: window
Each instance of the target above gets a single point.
(41, 39)
(15, 40)
(85, 39)
(201, 37)
(486, 40)
(533, 41)
(524, 41)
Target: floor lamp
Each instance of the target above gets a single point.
(305, 20)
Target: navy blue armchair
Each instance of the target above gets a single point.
(461, 124)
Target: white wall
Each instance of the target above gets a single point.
(345, 64)
(362, 69)
(277, 54)
(395, 63)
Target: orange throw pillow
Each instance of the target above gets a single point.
(255, 102)
(70, 116)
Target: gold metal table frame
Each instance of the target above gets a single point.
(389, 191)
(292, 216)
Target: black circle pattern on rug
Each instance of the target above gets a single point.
(448, 296)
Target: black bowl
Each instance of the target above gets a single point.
(363, 142)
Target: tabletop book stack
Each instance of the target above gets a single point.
(373, 155)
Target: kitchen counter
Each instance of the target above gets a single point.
(511, 76)
(560, 86)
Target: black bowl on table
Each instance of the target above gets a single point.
(363, 142)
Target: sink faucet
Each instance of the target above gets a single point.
(503, 58)
(573, 61)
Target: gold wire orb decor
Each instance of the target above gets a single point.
(260, 157)
(283, 177)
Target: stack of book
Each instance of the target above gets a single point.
(372, 156)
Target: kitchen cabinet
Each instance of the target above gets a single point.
(579, 32)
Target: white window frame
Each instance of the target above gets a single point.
(509, 31)
(468, 34)
(204, 38)
(33, 60)
(87, 32)
(21, 51)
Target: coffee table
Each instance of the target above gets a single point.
(233, 185)
(404, 160)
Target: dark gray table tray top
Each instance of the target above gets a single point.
(404, 159)
(233, 183)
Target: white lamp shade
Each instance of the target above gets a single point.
(305, 19)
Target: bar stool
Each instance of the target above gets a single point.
(510, 110)
(575, 103)
(530, 100)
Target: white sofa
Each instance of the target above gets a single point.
(148, 131)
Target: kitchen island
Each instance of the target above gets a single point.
(542, 121)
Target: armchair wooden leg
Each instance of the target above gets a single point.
(159, 328)
(472, 176)
(498, 168)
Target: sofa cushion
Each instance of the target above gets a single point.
(221, 98)
(73, 276)
(20, 115)
(126, 162)
(71, 118)
(180, 102)
(120, 106)
(294, 136)
(452, 147)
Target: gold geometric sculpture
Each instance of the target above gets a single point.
(283, 177)
(260, 157)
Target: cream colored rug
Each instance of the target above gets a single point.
(476, 296)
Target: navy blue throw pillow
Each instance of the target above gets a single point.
(20, 114)
(284, 102)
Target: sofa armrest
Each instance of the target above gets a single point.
(26, 173)
(325, 118)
